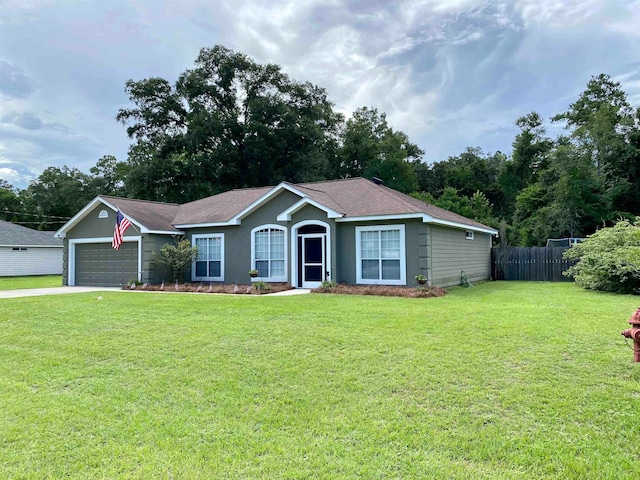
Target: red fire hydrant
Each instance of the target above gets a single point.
(634, 333)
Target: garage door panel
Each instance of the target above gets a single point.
(97, 264)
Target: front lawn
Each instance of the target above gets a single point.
(503, 380)
(35, 281)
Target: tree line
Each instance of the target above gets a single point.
(230, 122)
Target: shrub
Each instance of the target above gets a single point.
(328, 284)
(609, 260)
(177, 259)
(261, 286)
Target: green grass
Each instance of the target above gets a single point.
(503, 380)
(36, 281)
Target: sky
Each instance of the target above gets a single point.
(451, 74)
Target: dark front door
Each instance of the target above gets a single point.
(313, 260)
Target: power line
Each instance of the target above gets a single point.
(36, 215)
(37, 222)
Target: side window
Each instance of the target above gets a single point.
(380, 255)
(209, 263)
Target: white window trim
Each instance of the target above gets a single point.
(282, 278)
(193, 265)
(403, 256)
(103, 214)
(469, 235)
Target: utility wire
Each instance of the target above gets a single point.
(36, 215)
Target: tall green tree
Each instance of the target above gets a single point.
(228, 122)
(107, 176)
(55, 196)
(10, 204)
(371, 148)
(607, 129)
(476, 207)
(529, 158)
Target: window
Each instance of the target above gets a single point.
(380, 255)
(209, 263)
(268, 251)
(468, 234)
(103, 214)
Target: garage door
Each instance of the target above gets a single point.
(97, 264)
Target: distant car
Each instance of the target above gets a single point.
(564, 242)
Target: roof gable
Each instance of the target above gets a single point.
(149, 217)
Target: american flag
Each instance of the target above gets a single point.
(118, 232)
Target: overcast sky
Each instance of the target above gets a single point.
(449, 73)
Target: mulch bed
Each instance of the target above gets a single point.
(213, 288)
(383, 291)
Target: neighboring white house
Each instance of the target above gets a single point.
(24, 251)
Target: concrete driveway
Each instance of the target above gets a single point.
(35, 292)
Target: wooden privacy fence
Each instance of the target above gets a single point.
(543, 264)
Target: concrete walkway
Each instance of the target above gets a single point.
(36, 292)
(295, 291)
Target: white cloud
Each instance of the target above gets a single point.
(450, 73)
(13, 176)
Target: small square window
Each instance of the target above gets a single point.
(468, 234)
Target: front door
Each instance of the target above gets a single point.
(313, 260)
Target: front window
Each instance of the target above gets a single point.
(380, 255)
(269, 253)
(209, 263)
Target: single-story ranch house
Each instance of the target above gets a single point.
(25, 251)
(355, 231)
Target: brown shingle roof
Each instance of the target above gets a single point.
(153, 215)
(219, 208)
(359, 197)
(352, 197)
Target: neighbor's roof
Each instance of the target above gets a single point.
(156, 216)
(13, 235)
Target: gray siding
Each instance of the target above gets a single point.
(416, 248)
(237, 239)
(93, 227)
(451, 253)
(151, 272)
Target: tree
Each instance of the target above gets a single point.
(528, 160)
(371, 148)
(176, 259)
(107, 176)
(10, 204)
(55, 196)
(226, 123)
(607, 129)
(476, 207)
